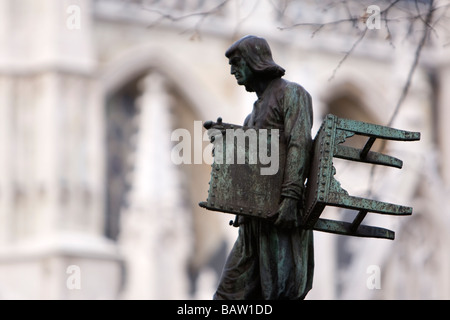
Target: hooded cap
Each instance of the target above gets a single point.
(256, 52)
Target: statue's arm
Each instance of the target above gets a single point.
(297, 112)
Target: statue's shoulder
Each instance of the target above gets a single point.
(286, 87)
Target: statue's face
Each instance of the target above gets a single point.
(240, 69)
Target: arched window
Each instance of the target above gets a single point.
(151, 201)
(121, 112)
(350, 107)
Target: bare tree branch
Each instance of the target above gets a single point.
(383, 14)
(348, 53)
(192, 14)
(391, 5)
(201, 14)
(319, 26)
(407, 84)
(415, 62)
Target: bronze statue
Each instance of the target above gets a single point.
(273, 256)
(273, 259)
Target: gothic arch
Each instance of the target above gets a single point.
(121, 77)
(364, 91)
(189, 101)
(130, 64)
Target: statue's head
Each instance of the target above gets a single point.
(250, 58)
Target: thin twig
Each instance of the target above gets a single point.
(347, 54)
(319, 25)
(392, 4)
(201, 14)
(407, 84)
(413, 67)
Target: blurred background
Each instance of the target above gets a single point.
(92, 204)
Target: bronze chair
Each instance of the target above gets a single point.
(233, 188)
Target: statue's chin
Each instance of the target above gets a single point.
(249, 89)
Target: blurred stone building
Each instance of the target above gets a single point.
(94, 92)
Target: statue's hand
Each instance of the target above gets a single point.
(213, 129)
(287, 214)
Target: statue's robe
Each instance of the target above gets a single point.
(270, 262)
